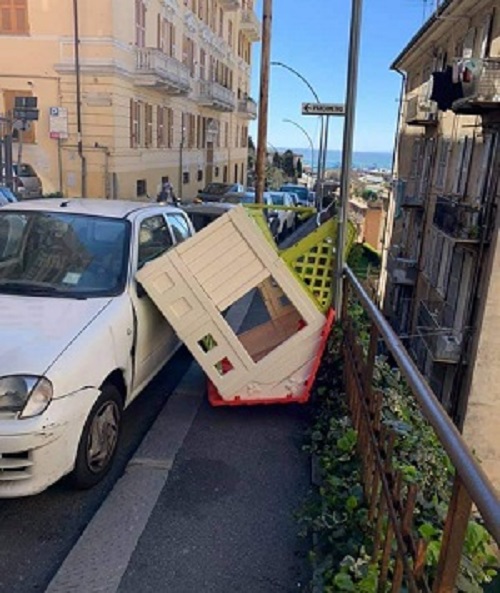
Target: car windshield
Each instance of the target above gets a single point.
(239, 199)
(278, 199)
(302, 192)
(62, 255)
(216, 188)
(24, 171)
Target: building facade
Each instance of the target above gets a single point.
(442, 292)
(154, 88)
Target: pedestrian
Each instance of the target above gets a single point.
(167, 193)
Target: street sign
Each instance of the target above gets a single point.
(58, 123)
(323, 109)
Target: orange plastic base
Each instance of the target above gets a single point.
(216, 400)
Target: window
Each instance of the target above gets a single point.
(203, 64)
(135, 123)
(442, 164)
(489, 149)
(154, 239)
(179, 227)
(161, 140)
(230, 33)
(140, 23)
(148, 120)
(185, 177)
(216, 172)
(199, 177)
(426, 167)
(224, 174)
(141, 187)
(9, 98)
(14, 17)
(188, 51)
(462, 165)
(166, 36)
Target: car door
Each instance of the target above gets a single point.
(155, 340)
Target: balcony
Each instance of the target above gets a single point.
(248, 108)
(156, 69)
(434, 325)
(402, 270)
(250, 25)
(480, 84)
(230, 4)
(421, 112)
(460, 222)
(214, 95)
(412, 201)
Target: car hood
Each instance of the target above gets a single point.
(36, 330)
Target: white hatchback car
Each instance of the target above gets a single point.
(79, 337)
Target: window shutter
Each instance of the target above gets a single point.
(468, 45)
(484, 170)
(458, 165)
(485, 36)
(465, 169)
(454, 280)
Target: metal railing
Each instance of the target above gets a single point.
(457, 220)
(481, 87)
(400, 551)
(169, 71)
(217, 96)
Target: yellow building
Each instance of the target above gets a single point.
(163, 91)
(443, 261)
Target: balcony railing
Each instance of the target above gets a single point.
(402, 270)
(412, 201)
(230, 4)
(250, 25)
(461, 222)
(480, 84)
(435, 326)
(421, 112)
(213, 94)
(156, 69)
(247, 107)
(393, 497)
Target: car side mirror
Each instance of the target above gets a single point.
(141, 292)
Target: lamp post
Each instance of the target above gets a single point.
(289, 121)
(322, 138)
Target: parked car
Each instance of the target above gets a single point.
(300, 190)
(213, 192)
(286, 218)
(6, 196)
(80, 337)
(27, 183)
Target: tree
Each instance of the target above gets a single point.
(277, 160)
(288, 164)
(369, 195)
(300, 169)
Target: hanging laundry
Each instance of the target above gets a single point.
(444, 91)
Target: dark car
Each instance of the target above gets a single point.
(213, 192)
(300, 191)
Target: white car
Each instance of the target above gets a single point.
(286, 218)
(79, 337)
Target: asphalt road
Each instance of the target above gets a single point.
(37, 533)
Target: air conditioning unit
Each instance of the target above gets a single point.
(448, 348)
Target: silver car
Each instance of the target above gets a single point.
(27, 184)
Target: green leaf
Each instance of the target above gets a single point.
(427, 531)
(343, 582)
(351, 503)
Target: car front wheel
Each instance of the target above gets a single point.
(99, 440)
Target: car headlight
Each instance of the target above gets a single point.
(25, 394)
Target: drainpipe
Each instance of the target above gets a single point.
(79, 100)
(389, 219)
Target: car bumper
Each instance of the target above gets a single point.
(36, 452)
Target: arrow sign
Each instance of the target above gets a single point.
(323, 109)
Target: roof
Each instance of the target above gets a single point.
(421, 32)
(89, 206)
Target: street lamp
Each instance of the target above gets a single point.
(289, 121)
(322, 138)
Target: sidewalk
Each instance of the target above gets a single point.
(206, 505)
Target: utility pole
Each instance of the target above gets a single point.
(351, 95)
(76, 44)
(265, 67)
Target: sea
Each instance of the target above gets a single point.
(367, 161)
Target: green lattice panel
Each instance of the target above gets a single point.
(312, 260)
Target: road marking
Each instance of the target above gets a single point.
(100, 557)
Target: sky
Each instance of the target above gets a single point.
(312, 36)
